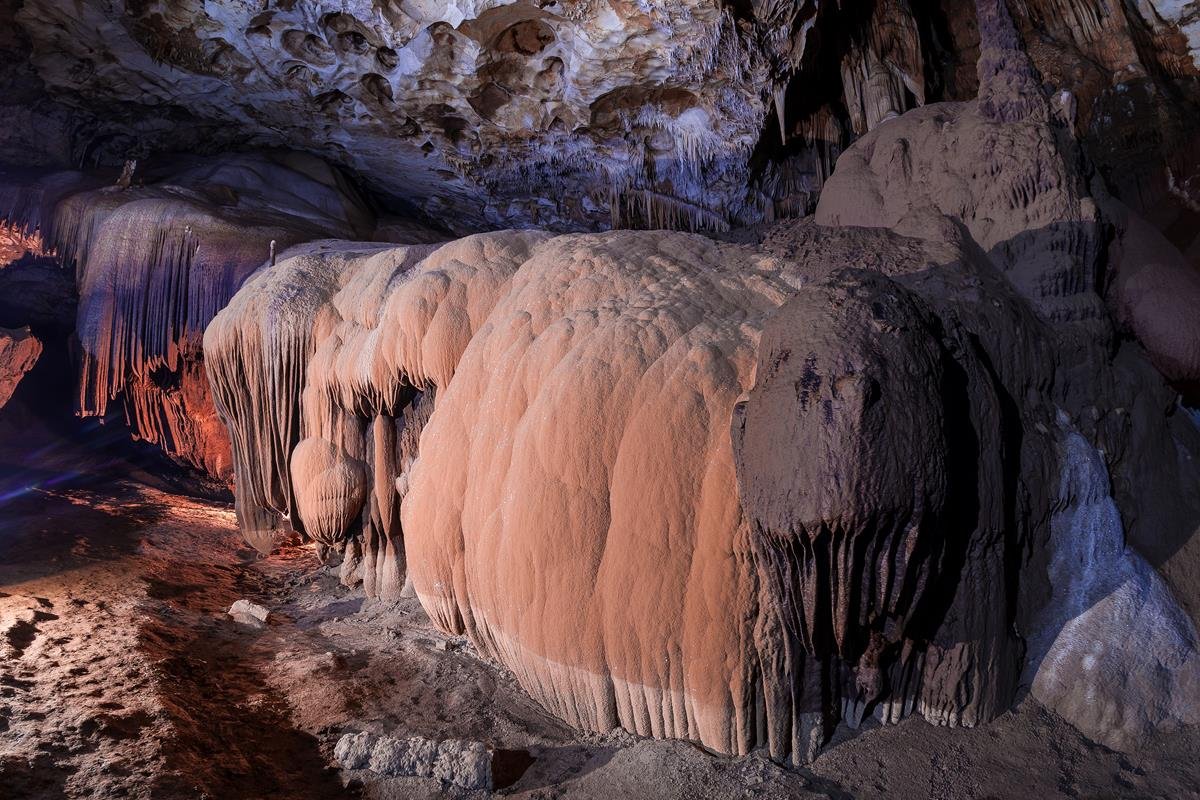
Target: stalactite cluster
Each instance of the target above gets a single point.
(153, 264)
(779, 485)
(842, 378)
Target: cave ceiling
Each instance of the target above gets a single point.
(687, 114)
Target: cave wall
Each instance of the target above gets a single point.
(781, 485)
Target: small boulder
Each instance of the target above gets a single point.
(464, 764)
(246, 610)
(353, 750)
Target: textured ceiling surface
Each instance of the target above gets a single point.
(694, 114)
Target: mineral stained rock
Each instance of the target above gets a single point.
(774, 487)
(19, 351)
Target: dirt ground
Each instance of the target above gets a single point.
(121, 675)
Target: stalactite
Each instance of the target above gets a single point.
(154, 264)
(887, 63)
(566, 370)
(271, 353)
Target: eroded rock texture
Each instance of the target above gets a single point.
(737, 493)
(19, 351)
(1113, 652)
(733, 493)
(155, 258)
(694, 114)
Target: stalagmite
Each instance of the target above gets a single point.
(315, 346)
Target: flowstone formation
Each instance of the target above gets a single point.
(154, 260)
(741, 493)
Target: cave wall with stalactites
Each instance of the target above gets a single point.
(155, 260)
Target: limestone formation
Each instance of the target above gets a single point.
(1157, 292)
(635, 349)
(347, 313)
(777, 486)
(690, 114)
(900, 457)
(1114, 653)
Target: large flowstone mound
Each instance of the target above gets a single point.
(730, 493)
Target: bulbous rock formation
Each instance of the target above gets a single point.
(728, 493)
(634, 349)
(330, 490)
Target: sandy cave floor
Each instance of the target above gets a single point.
(121, 675)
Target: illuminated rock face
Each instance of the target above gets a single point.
(729, 493)
(689, 114)
(610, 435)
(581, 454)
(19, 351)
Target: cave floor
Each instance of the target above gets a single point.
(121, 675)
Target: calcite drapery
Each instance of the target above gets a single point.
(154, 263)
(585, 402)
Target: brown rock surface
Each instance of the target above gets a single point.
(487, 113)
(19, 351)
(734, 494)
(123, 675)
(634, 349)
